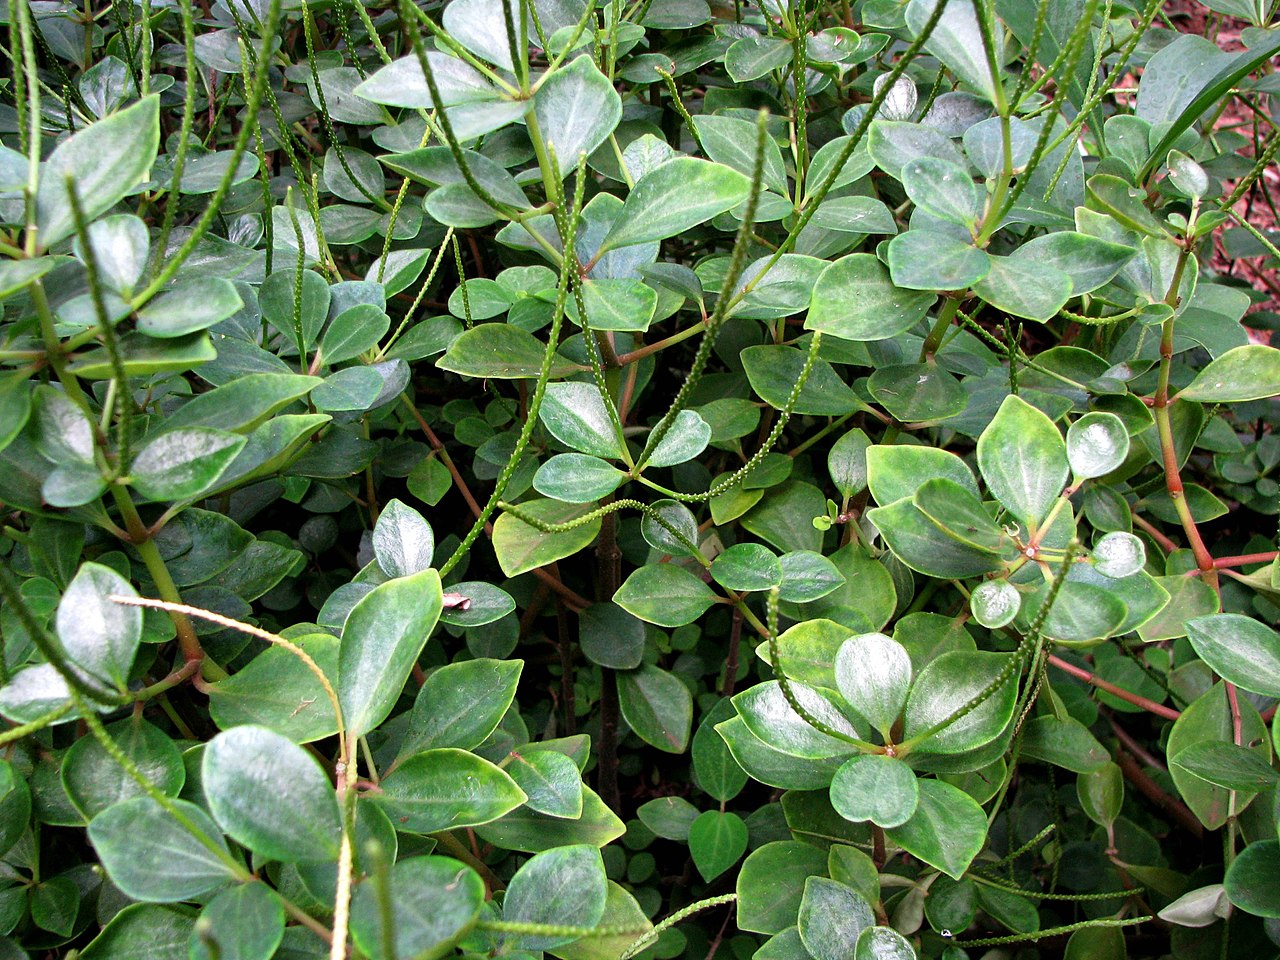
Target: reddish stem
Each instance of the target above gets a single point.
(1160, 710)
(1246, 559)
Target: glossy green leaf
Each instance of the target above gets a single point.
(528, 830)
(657, 706)
(774, 370)
(688, 437)
(577, 478)
(924, 546)
(831, 917)
(95, 780)
(189, 307)
(1024, 287)
(521, 548)
(665, 594)
(105, 160)
(460, 704)
(100, 637)
(1209, 719)
(180, 860)
(918, 392)
(1101, 793)
(180, 464)
(808, 576)
(577, 109)
(767, 714)
(957, 41)
(550, 781)
(1088, 261)
(716, 840)
(277, 690)
(403, 541)
(1118, 555)
(1063, 742)
(875, 787)
(854, 299)
(1227, 765)
(771, 884)
(943, 189)
(610, 636)
(1239, 649)
(433, 902)
(271, 796)
(1250, 372)
(747, 566)
(714, 768)
(576, 415)
(1023, 459)
(873, 674)
(242, 923)
(895, 471)
(677, 533)
(501, 352)
(381, 640)
(960, 515)
(883, 943)
(15, 805)
(354, 331)
(945, 687)
(1253, 879)
(565, 886)
(242, 404)
(1097, 443)
(674, 197)
(947, 830)
(144, 931)
(446, 788)
(994, 603)
(923, 259)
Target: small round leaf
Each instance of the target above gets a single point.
(1097, 443)
(995, 603)
(875, 787)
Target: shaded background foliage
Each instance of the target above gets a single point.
(803, 476)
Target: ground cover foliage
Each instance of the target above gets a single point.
(647, 479)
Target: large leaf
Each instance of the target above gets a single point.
(947, 830)
(182, 463)
(381, 640)
(565, 886)
(1250, 372)
(577, 109)
(99, 636)
(1023, 458)
(657, 706)
(576, 415)
(957, 41)
(269, 794)
(1239, 649)
(460, 704)
(432, 902)
(665, 594)
(105, 161)
(521, 547)
(854, 299)
(403, 541)
(771, 884)
(873, 674)
(831, 917)
(674, 197)
(444, 789)
(945, 687)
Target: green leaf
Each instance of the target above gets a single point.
(99, 636)
(1228, 765)
(576, 415)
(460, 704)
(714, 769)
(774, 369)
(174, 863)
(1088, 261)
(144, 931)
(767, 714)
(610, 636)
(141, 356)
(277, 690)
(674, 197)
(351, 389)
(831, 917)
(565, 886)
(180, 464)
(1101, 793)
(1118, 555)
(873, 674)
(716, 840)
(550, 781)
(244, 403)
(918, 392)
(1065, 743)
(959, 514)
(1024, 287)
(402, 83)
(444, 789)
(747, 566)
(616, 303)
(924, 546)
(944, 189)
(687, 438)
(665, 594)
(854, 299)
(1023, 459)
(243, 923)
(883, 943)
(1097, 443)
(528, 830)
(433, 902)
(668, 817)
(1251, 372)
(922, 259)
(105, 160)
(381, 640)
(656, 704)
(1239, 649)
(1209, 719)
(521, 548)
(354, 331)
(942, 690)
(875, 787)
(808, 576)
(731, 141)
(1253, 879)
(957, 41)
(895, 471)
(577, 478)
(403, 541)
(947, 830)
(15, 805)
(577, 109)
(771, 884)
(94, 779)
(621, 913)
(500, 351)
(188, 307)
(271, 796)
(994, 603)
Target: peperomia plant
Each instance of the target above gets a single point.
(409, 410)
